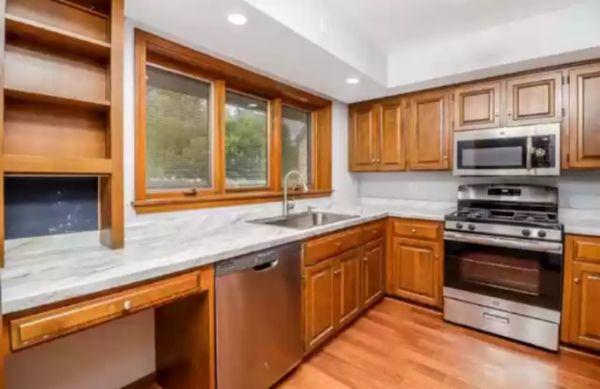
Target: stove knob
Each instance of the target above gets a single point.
(542, 233)
(459, 226)
(526, 232)
(472, 227)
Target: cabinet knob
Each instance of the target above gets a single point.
(365, 259)
(414, 230)
(373, 160)
(576, 280)
(338, 244)
(127, 305)
(337, 273)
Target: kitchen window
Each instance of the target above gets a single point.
(209, 133)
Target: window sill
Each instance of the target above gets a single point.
(213, 201)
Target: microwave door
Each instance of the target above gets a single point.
(497, 156)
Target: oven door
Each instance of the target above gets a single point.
(528, 273)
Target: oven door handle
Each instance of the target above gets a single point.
(531, 245)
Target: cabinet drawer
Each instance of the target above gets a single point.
(373, 231)
(40, 327)
(417, 229)
(321, 248)
(584, 248)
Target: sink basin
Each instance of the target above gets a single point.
(304, 220)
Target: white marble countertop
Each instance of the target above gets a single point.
(51, 269)
(45, 270)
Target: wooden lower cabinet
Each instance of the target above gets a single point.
(373, 274)
(415, 263)
(347, 274)
(340, 288)
(581, 307)
(320, 314)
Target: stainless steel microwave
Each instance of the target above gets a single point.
(512, 151)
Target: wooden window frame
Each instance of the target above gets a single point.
(223, 76)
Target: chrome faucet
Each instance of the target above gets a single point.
(286, 205)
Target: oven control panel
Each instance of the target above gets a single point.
(506, 230)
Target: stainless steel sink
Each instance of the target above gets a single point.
(304, 220)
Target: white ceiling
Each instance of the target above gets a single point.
(391, 24)
(393, 46)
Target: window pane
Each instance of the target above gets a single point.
(246, 141)
(177, 131)
(296, 143)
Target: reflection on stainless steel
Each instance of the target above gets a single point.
(258, 317)
(305, 220)
(527, 329)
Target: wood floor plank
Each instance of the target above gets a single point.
(398, 345)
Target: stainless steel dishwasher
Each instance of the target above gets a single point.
(258, 308)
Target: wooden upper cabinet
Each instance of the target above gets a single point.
(364, 138)
(534, 99)
(430, 131)
(392, 154)
(585, 309)
(477, 106)
(584, 117)
(320, 303)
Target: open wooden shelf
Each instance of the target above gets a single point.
(52, 36)
(33, 96)
(34, 164)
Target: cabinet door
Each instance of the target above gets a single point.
(585, 306)
(477, 106)
(320, 295)
(416, 271)
(584, 117)
(348, 276)
(373, 272)
(364, 139)
(392, 139)
(429, 131)
(534, 99)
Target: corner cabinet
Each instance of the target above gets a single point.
(581, 310)
(343, 275)
(584, 117)
(415, 261)
(430, 135)
(376, 138)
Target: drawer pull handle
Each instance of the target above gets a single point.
(492, 317)
(127, 305)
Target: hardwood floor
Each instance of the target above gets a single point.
(397, 345)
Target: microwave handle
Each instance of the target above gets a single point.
(529, 153)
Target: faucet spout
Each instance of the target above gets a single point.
(286, 205)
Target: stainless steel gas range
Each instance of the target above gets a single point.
(504, 262)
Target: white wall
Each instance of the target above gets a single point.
(576, 189)
(118, 353)
(567, 35)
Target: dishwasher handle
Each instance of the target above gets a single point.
(266, 266)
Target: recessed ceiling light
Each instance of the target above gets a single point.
(352, 80)
(237, 19)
